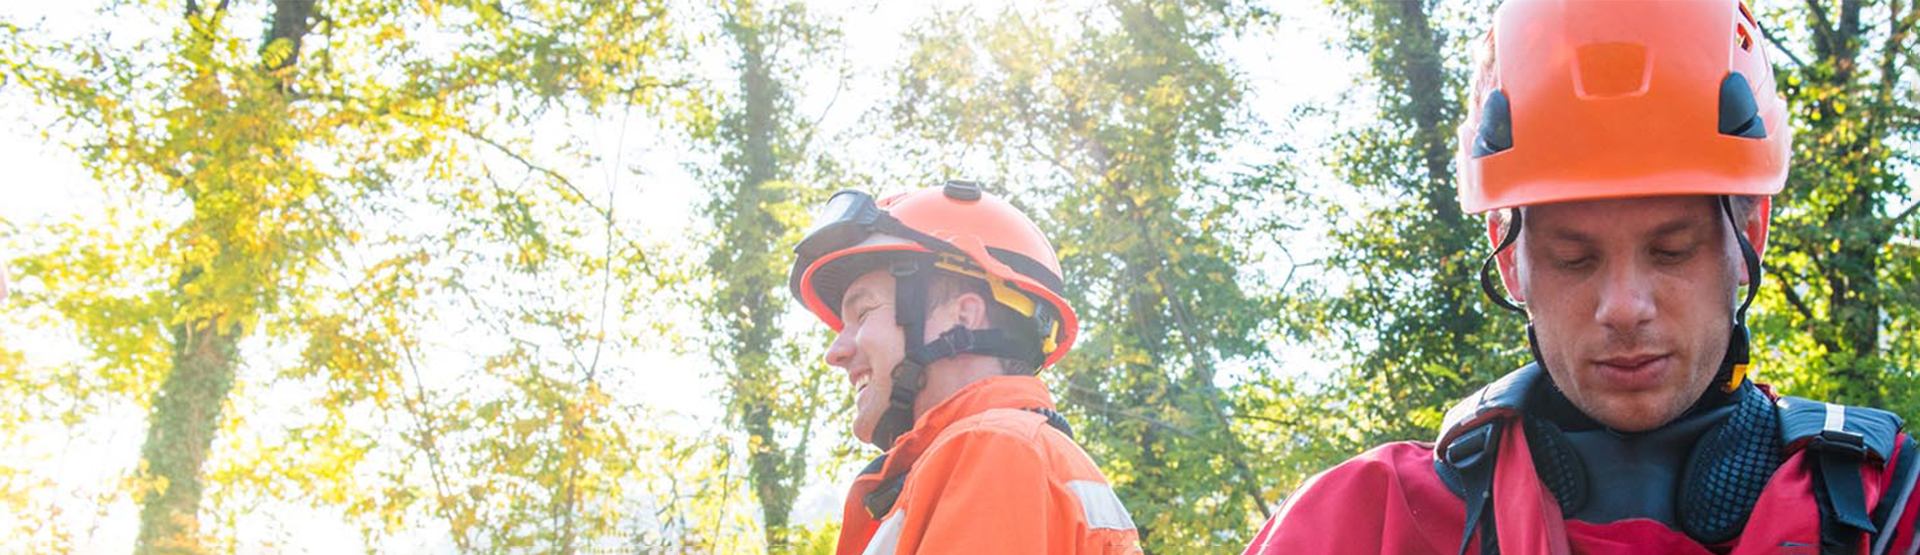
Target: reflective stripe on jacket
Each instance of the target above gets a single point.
(985, 476)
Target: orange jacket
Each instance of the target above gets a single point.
(985, 476)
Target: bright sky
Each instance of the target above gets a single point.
(50, 184)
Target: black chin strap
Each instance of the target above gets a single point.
(910, 375)
(911, 276)
(959, 340)
(1487, 266)
(1733, 369)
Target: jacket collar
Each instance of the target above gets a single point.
(999, 392)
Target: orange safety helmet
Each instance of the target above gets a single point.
(971, 232)
(1592, 100)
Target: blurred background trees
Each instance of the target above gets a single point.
(508, 277)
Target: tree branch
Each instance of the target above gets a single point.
(1902, 216)
(1782, 47)
(1108, 408)
(1268, 420)
(1822, 29)
(1793, 298)
(537, 168)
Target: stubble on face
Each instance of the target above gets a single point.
(869, 346)
(1631, 302)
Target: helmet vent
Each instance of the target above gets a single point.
(1496, 125)
(1741, 31)
(1739, 114)
(1612, 70)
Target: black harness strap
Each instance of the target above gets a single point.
(1841, 441)
(1473, 456)
(1053, 419)
(1468, 448)
(879, 501)
(1843, 504)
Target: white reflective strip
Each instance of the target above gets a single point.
(887, 538)
(1102, 507)
(1836, 417)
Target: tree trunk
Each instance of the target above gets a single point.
(185, 412)
(751, 232)
(180, 431)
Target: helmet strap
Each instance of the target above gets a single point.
(1733, 368)
(1487, 267)
(912, 275)
(909, 378)
(959, 340)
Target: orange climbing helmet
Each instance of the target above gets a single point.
(959, 229)
(1589, 100)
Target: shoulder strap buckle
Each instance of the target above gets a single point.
(1470, 447)
(880, 501)
(1840, 441)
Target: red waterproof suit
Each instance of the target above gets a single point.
(1390, 500)
(986, 475)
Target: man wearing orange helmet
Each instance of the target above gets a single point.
(947, 301)
(1625, 152)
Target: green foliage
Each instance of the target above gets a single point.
(1401, 300)
(346, 262)
(332, 192)
(1840, 264)
(1126, 115)
(776, 392)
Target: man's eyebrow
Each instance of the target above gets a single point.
(853, 297)
(1678, 225)
(1567, 234)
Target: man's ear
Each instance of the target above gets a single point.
(1505, 261)
(970, 310)
(1759, 221)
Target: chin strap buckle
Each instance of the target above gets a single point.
(908, 378)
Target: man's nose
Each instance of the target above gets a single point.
(1626, 297)
(840, 352)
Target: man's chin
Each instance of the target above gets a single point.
(1634, 417)
(863, 430)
